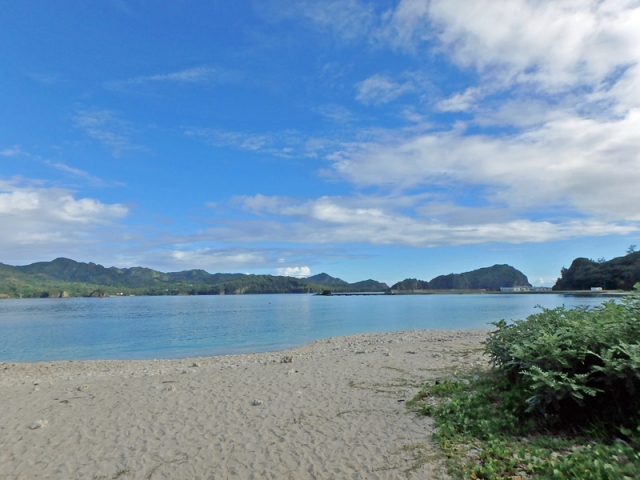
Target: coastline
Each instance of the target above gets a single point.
(336, 411)
(389, 293)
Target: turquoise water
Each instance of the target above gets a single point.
(178, 327)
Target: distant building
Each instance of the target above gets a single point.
(596, 289)
(541, 289)
(515, 289)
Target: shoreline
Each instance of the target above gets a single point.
(602, 293)
(335, 411)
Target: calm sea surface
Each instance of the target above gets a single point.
(175, 327)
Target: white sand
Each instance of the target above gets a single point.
(334, 412)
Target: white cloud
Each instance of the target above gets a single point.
(461, 102)
(543, 281)
(41, 220)
(555, 43)
(584, 53)
(563, 78)
(419, 221)
(298, 272)
(561, 81)
(53, 204)
(582, 164)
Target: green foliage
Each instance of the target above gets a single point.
(560, 401)
(486, 434)
(575, 364)
(455, 399)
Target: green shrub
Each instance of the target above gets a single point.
(561, 400)
(575, 365)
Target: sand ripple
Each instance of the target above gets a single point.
(335, 411)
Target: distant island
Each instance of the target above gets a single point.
(489, 278)
(620, 273)
(63, 277)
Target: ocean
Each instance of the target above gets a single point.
(34, 330)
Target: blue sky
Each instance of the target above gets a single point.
(382, 140)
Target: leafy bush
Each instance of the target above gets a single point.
(575, 365)
(561, 400)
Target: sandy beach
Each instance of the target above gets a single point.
(332, 409)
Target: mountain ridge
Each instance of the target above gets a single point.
(63, 277)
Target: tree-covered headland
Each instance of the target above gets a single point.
(620, 273)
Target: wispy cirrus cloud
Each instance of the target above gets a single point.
(109, 129)
(346, 19)
(379, 89)
(47, 78)
(13, 151)
(189, 76)
(283, 144)
(77, 172)
(336, 113)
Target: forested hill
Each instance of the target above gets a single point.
(63, 277)
(489, 278)
(618, 273)
(325, 279)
